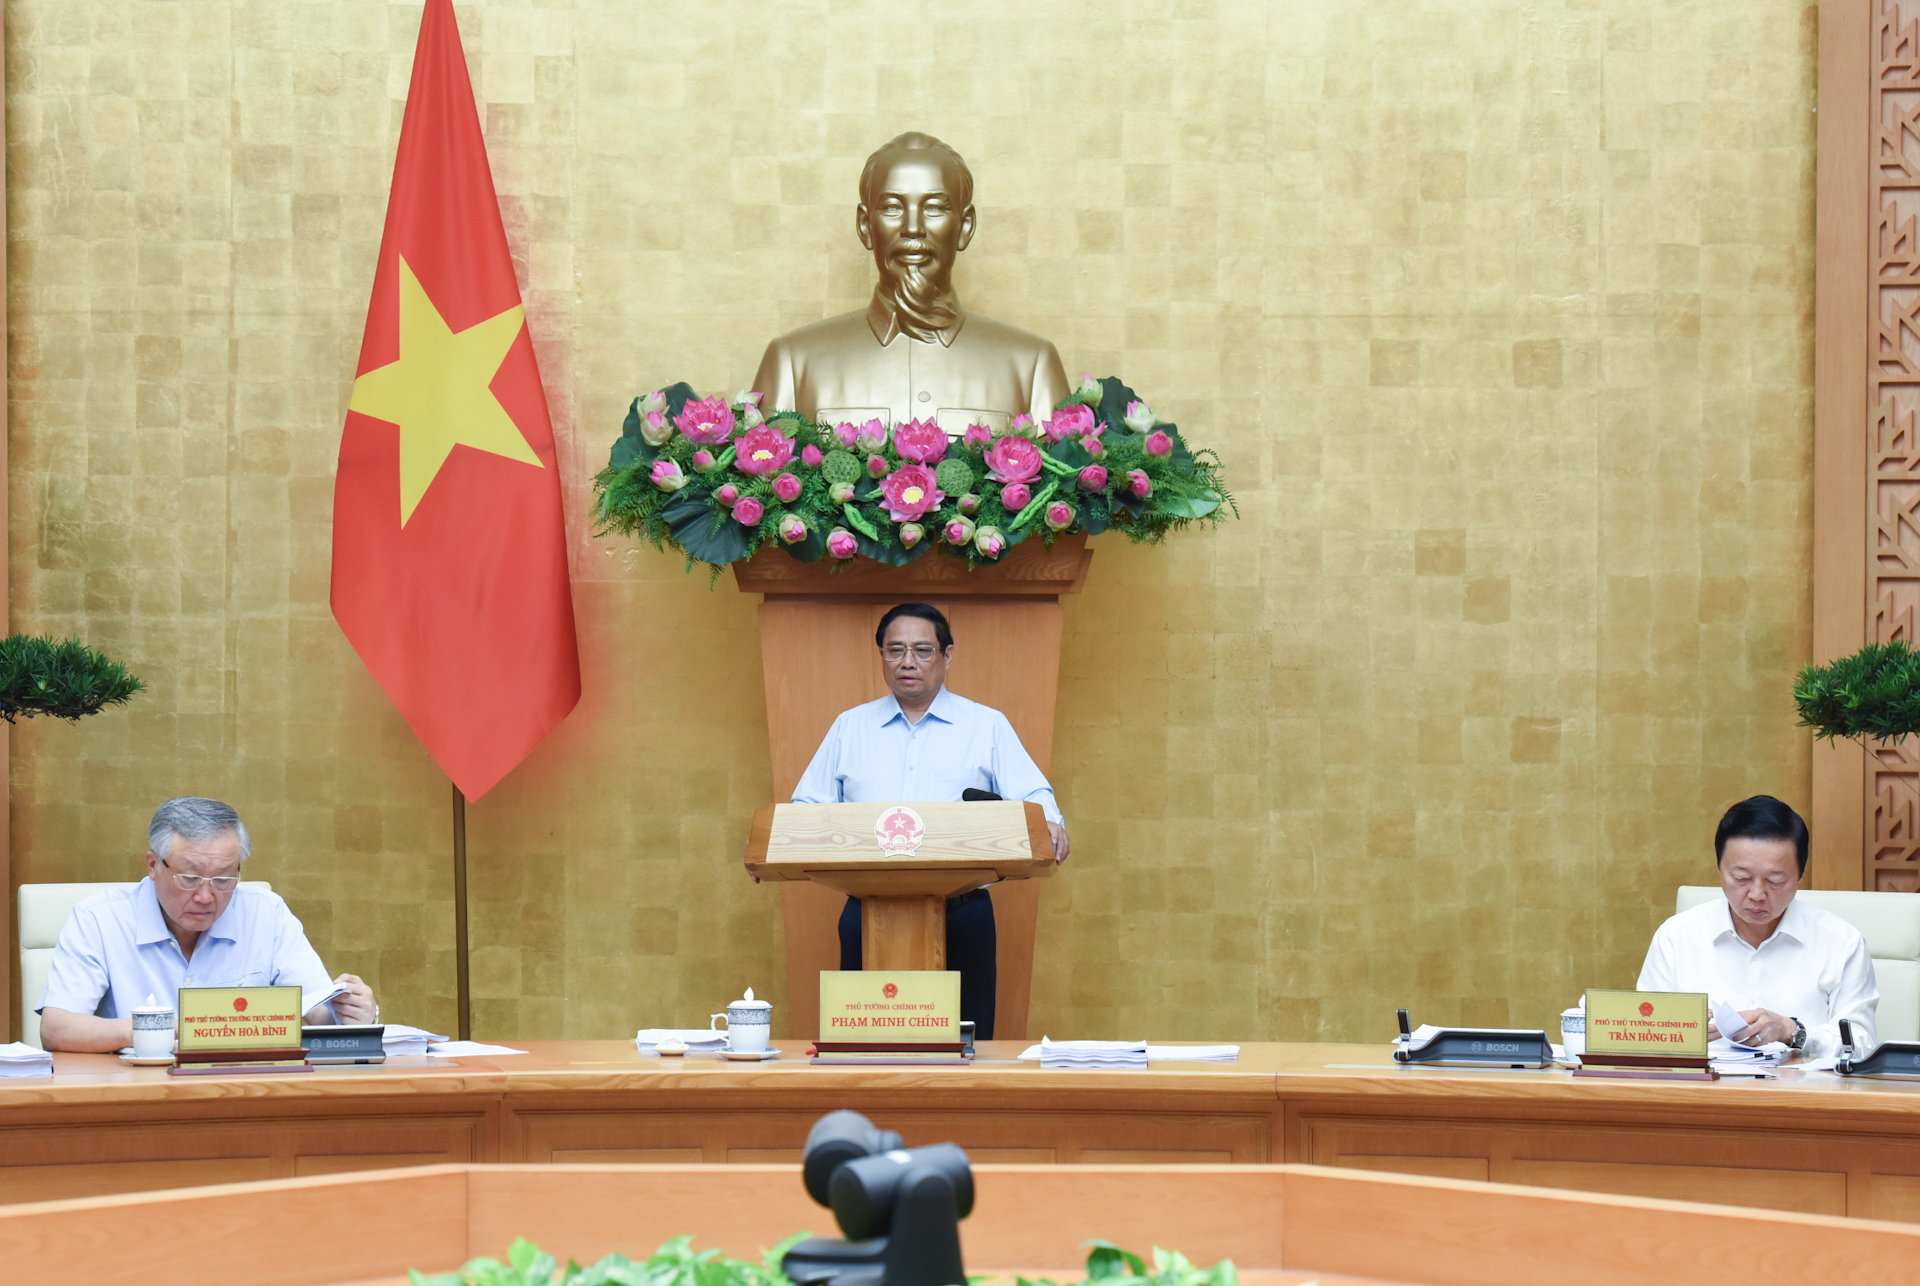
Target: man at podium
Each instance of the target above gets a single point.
(923, 742)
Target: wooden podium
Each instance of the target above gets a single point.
(903, 896)
(818, 658)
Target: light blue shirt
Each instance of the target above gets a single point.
(873, 755)
(116, 950)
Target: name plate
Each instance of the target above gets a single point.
(909, 1006)
(239, 1018)
(1646, 1024)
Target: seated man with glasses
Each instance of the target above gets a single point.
(926, 743)
(188, 924)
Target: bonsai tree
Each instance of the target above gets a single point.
(1873, 693)
(61, 677)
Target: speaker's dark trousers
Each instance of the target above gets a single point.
(971, 947)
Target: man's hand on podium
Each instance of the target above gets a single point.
(1061, 844)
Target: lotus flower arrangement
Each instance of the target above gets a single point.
(718, 478)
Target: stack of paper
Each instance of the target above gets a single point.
(468, 1049)
(1193, 1053)
(1087, 1053)
(400, 1039)
(1730, 1059)
(22, 1059)
(694, 1038)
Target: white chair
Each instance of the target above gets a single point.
(1890, 922)
(43, 913)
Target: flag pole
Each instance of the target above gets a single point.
(465, 1000)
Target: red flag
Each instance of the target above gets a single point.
(449, 553)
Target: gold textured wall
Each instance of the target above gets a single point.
(1499, 314)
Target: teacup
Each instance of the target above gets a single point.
(153, 1031)
(1573, 1031)
(749, 1024)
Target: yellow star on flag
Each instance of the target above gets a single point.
(437, 392)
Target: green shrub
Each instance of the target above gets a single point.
(1873, 693)
(61, 677)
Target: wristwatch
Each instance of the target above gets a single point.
(1799, 1040)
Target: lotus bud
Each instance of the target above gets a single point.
(840, 492)
(1092, 447)
(749, 511)
(1089, 391)
(1023, 426)
(877, 466)
(1015, 496)
(977, 437)
(750, 417)
(841, 544)
(1139, 483)
(1140, 417)
(989, 543)
(703, 459)
(653, 402)
(811, 457)
(748, 397)
(1093, 478)
(667, 476)
(871, 436)
(969, 504)
(1060, 516)
(787, 488)
(793, 529)
(1158, 443)
(959, 531)
(656, 428)
(727, 494)
(911, 534)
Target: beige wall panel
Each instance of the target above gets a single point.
(1499, 315)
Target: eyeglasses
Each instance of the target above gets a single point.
(191, 883)
(897, 652)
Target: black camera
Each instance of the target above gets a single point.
(900, 1208)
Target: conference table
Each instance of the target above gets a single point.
(1811, 1142)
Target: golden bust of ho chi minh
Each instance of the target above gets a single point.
(913, 353)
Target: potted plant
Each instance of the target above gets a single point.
(1875, 693)
(60, 677)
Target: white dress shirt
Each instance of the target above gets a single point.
(1815, 968)
(116, 950)
(873, 755)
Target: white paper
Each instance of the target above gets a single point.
(22, 1059)
(468, 1049)
(1193, 1053)
(311, 1000)
(691, 1037)
(1087, 1053)
(402, 1039)
(1728, 1020)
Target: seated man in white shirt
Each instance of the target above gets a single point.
(1792, 970)
(186, 925)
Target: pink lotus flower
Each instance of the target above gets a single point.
(1013, 460)
(793, 529)
(840, 492)
(1139, 483)
(989, 542)
(703, 459)
(748, 512)
(841, 544)
(977, 437)
(655, 429)
(969, 504)
(1093, 478)
(921, 441)
(1074, 421)
(959, 531)
(1140, 417)
(762, 451)
(870, 436)
(1015, 496)
(910, 491)
(787, 487)
(1092, 447)
(876, 466)
(810, 456)
(1023, 426)
(911, 534)
(728, 494)
(1059, 515)
(667, 476)
(845, 434)
(1090, 389)
(1158, 443)
(708, 420)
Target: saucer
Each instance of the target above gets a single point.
(134, 1060)
(749, 1056)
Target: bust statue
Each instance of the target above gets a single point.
(912, 352)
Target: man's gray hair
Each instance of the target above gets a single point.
(194, 818)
